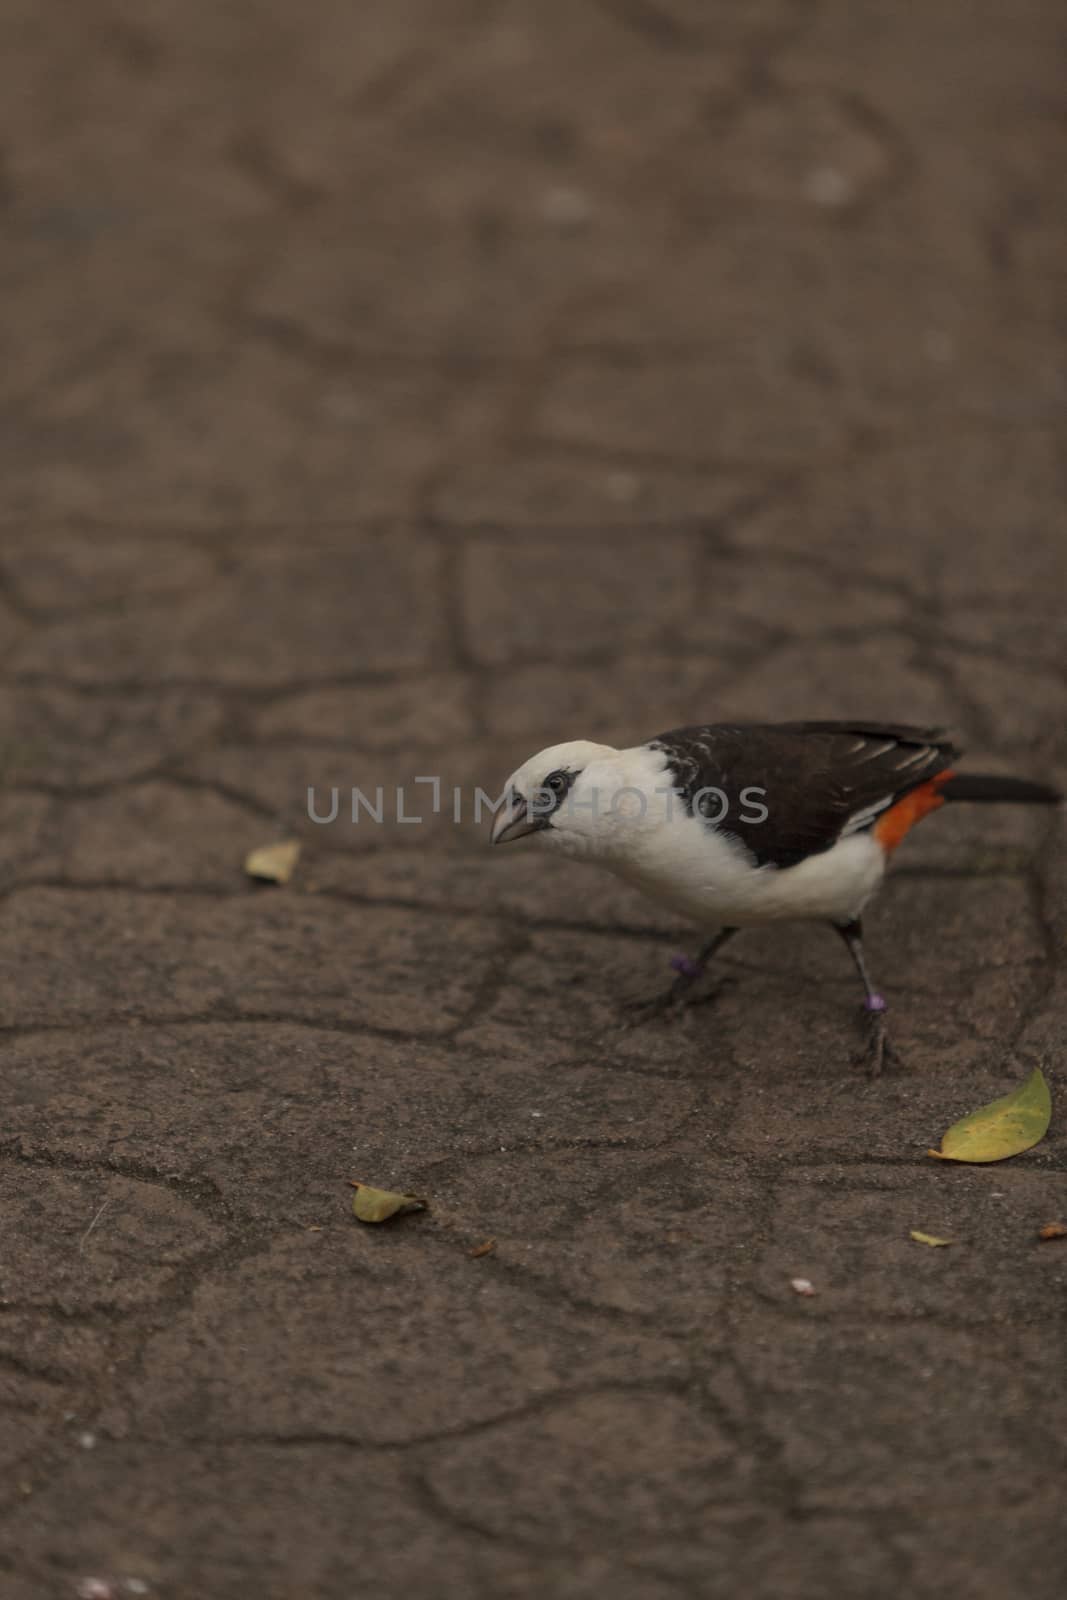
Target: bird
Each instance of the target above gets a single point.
(733, 825)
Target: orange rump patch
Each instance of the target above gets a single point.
(893, 824)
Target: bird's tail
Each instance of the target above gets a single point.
(991, 788)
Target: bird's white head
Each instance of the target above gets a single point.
(570, 797)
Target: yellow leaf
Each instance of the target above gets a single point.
(274, 862)
(1003, 1128)
(927, 1238)
(485, 1249)
(378, 1205)
(1053, 1230)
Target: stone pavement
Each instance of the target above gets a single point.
(389, 390)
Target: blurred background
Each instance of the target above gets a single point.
(476, 373)
(392, 388)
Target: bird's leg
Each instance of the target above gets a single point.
(878, 1049)
(672, 999)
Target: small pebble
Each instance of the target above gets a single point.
(939, 346)
(623, 487)
(802, 1286)
(826, 186)
(566, 208)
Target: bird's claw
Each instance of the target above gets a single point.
(675, 1003)
(669, 1004)
(877, 1054)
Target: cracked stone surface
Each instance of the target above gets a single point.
(392, 390)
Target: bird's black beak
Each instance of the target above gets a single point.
(514, 821)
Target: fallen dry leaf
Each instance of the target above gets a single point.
(485, 1249)
(802, 1286)
(928, 1238)
(274, 863)
(1003, 1128)
(1053, 1230)
(378, 1205)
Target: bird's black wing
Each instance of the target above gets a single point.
(818, 779)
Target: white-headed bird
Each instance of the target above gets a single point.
(732, 825)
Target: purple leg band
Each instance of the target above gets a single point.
(687, 968)
(875, 1002)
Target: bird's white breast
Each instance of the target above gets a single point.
(703, 873)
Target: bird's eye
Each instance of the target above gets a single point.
(556, 782)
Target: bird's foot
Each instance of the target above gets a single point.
(673, 1002)
(670, 1003)
(877, 1054)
